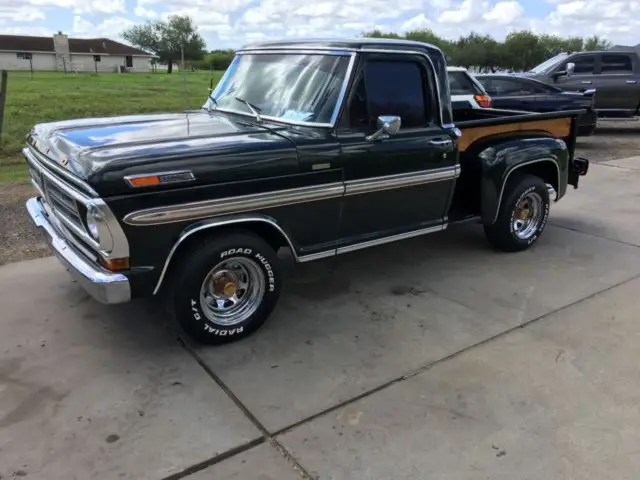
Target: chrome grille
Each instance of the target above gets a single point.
(62, 204)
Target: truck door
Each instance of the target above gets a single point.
(584, 75)
(402, 183)
(617, 85)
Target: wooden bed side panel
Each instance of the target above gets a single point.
(558, 127)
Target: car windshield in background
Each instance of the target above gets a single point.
(288, 87)
(461, 84)
(547, 65)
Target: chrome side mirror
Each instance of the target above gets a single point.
(570, 68)
(387, 125)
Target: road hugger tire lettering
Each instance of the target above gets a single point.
(205, 321)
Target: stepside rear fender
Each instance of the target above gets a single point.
(545, 157)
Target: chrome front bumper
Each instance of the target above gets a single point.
(101, 284)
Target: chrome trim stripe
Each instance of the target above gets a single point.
(401, 180)
(506, 179)
(41, 160)
(280, 198)
(392, 238)
(298, 51)
(317, 256)
(371, 243)
(339, 100)
(219, 223)
(229, 205)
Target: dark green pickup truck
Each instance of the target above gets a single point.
(323, 147)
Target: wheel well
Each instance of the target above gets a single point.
(545, 169)
(269, 233)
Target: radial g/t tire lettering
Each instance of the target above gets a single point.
(214, 275)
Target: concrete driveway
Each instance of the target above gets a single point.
(432, 358)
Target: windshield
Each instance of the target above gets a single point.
(548, 64)
(289, 87)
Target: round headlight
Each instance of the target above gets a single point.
(92, 227)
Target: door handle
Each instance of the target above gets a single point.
(587, 82)
(440, 142)
(631, 81)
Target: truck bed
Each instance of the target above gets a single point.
(477, 124)
(480, 126)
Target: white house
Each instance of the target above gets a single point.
(61, 53)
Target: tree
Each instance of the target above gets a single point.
(597, 43)
(168, 40)
(521, 50)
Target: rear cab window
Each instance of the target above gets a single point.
(461, 83)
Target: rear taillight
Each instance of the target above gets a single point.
(483, 100)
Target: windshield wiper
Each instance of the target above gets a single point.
(213, 101)
(255, 110)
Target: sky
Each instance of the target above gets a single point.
(233, 23)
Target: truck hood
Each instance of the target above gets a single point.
(102, 151)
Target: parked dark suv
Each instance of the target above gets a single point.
(614, 74)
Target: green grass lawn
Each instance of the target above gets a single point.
(58, 96)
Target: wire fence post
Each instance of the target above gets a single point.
(3, 98)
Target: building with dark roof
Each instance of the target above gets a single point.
(61, 53)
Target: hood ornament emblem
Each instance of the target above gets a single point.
(64, 161)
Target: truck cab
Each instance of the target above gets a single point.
(614, 74)
(322, 147)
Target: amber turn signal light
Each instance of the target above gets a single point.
(115, 264)
(483, 100)
(144, 181)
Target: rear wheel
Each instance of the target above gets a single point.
(522, 215)
(227, 288)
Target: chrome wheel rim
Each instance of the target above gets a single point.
(527, 215)
(232, 291)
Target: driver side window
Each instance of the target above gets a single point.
(389, 87)
(584, 65)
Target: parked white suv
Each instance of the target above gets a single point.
(466, 91)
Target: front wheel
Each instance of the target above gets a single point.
(523, 214)
(227, 288)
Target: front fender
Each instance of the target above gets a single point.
(548, 157)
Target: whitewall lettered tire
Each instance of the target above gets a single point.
(226, 288)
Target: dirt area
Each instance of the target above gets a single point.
(20, 240)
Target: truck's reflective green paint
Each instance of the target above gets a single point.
(321, 190)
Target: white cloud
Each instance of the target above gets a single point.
(18, 13)
(416, 23)
(147, 13)
(234, 22)
(111, 27)
(504, 13)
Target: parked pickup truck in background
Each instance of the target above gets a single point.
(320, 147)
(513, 92)
(614, 74)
